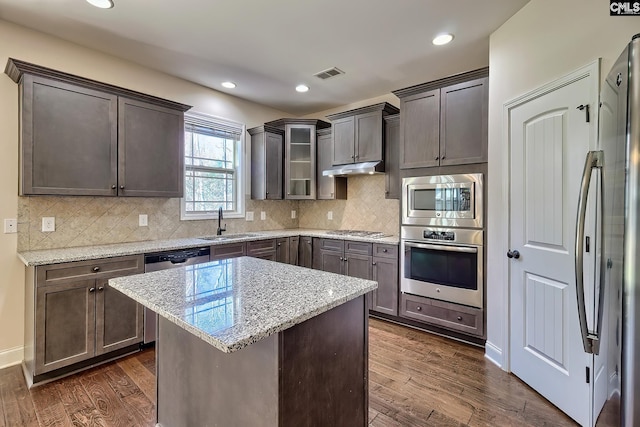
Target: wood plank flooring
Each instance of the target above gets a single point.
(416, 379)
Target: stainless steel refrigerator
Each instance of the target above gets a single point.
(609, 314)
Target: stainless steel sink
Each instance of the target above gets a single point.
(229, 237)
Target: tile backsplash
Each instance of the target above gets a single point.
(82, 221)
(365, 208)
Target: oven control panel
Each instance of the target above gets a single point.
(448, 236)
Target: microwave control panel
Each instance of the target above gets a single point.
(442, 235)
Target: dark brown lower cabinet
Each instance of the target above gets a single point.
(444, 314)
(294, 245)
(305, 252)
(73, 316)
(228, 250)
(263, 249)
(282, 250)
(385, 272)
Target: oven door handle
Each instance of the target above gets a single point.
(464, 249)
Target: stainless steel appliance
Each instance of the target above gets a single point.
(443, 263)
(613, 310)
(163, 261)
(443, 200)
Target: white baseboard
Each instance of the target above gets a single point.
(11, 357)
(493, 354)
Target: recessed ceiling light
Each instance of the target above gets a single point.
(229, 85)
(302, 88)
(102, 4)
(442, 39)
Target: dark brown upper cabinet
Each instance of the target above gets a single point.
(329, 188)
(445, 122)
(267, 154)
(87, 138)
(392, 157)
(358, 135)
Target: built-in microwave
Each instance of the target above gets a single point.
(443, 200)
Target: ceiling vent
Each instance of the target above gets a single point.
(327, 74)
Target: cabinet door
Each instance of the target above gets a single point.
(229, 250)
(329, 188)
(300, 163)
(343, 131)
(294, 244)
(463, 123)
(282, 250)
(65, 324)
(150, 150)
(332, 262)
(368, 137)
(119, 319)
(392, 157)
(274, 161)
(358, 266)
(305, 252)
(420, 130)
(385, 298)
(69, 139)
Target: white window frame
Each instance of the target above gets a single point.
(239, 172)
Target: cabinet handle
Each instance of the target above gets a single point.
(279, 244)
(419, 308)
(92, 289)
(96, 269)
(444, 157)
(353, 157)
(345, 259)
(437, 158)
(122, 187)
(357, 157)
(373, 263)
(101, 288)
(340, 258)
(385, 250)
(267, 193)
(113, 187)
(459, 318)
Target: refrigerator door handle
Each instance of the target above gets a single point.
(590, 339)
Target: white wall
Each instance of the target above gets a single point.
(542, 42)
(21, 43)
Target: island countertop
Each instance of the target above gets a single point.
(235, 302)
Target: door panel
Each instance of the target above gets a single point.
(343, 134)
(549, 138)
(119, 320)
(368, 137)
(274, 164)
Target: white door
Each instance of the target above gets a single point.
(549, 138)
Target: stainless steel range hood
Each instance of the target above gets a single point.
(355, 169)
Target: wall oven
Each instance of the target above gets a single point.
(443, 200)
(443, 263)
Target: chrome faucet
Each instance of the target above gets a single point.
(220, 229)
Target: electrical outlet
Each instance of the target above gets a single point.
(330, 215)
(48, 224)
(263, 215)
(143, 220)
(293, 214)
(11, 225)
(249, 216)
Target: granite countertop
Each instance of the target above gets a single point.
(235, 302)
(83, 253)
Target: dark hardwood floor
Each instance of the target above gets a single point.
(416, 379)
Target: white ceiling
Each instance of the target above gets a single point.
(268, 47)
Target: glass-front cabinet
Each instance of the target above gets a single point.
(300, 162)
(300, 156)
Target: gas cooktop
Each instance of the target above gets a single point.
(358, 233)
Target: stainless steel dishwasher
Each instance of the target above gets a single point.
(163, 261)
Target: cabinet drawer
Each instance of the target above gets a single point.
(447, 315)
(229, 250)
(92, 269)
(332, 245)
(261, 246)
(385, 251)
(357, 248)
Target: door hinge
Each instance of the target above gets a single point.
(584, 107)
(588, 376)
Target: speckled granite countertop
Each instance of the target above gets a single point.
(82, 253)
(235, 302)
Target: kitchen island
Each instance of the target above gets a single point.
(249, 342)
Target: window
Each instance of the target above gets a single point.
(212, 167)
